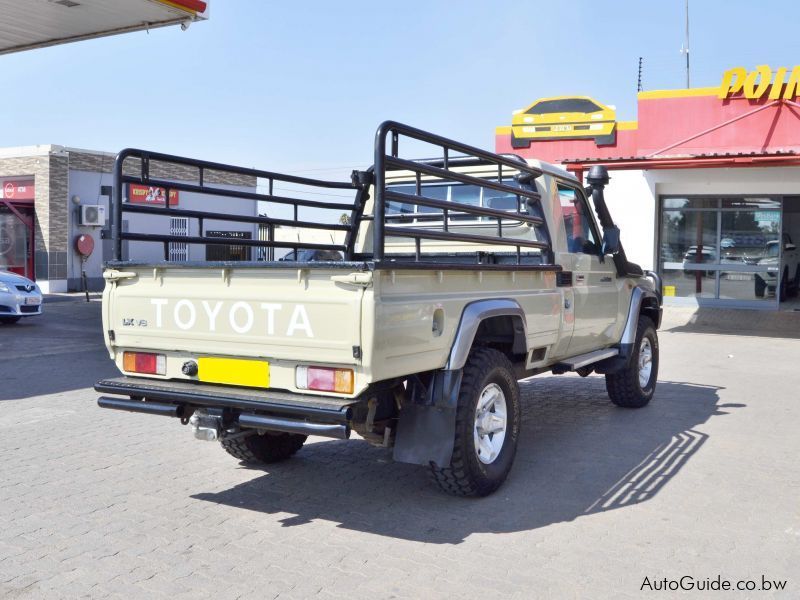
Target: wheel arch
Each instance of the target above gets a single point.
(500, 322)
(644, 301)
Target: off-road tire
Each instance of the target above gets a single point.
(9, 320)
(760, 287)
(783, 286)
(466, 475)
(623, 386)
(264, 448)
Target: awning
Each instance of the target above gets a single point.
(39, 23)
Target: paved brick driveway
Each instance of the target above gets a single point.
(702, 482)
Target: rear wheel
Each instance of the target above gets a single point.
(9, 320)
(633, 387)
(487, 427)
(268, 447)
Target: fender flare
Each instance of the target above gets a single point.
(471, 318)
(639, 296)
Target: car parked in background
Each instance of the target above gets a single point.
(313, 255)
(787, 264)
(692, 257)
(19, 297)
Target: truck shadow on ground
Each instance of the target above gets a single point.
(578, 455)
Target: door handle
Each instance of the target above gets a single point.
(580, 278)
(114, 275)
(605, 279)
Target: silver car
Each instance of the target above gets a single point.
(19, 297)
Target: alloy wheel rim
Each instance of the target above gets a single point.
(645, 362)
(491, 419)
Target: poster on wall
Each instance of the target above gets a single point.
(149, 194)
(17, 189)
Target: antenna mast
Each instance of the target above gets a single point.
(685, 48)
(639, 84)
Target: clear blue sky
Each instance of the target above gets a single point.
(303, 85)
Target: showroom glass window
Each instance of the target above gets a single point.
(716, 248)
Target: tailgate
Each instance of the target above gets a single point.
(291, 314)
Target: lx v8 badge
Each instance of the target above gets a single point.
(134, 323)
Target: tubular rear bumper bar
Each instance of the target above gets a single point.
(254, 409)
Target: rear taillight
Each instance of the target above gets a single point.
(144, 362)
(324, 379)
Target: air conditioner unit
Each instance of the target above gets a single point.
(93, 215)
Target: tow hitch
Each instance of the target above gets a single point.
(205, 426)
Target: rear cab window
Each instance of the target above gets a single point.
(473, 195)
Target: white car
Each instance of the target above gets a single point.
(789, 268)
(19, 297)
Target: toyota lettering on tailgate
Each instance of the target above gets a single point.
(241, 316)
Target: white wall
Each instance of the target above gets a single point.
(631, 200)
(765, 181)
(85, 185)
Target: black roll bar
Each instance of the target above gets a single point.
(449, 168)
(387, 159)
(202, 168)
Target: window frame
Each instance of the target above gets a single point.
(476, 221)
(718, 268)
(595, 229)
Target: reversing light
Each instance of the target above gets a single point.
(144, 362)
(324, 379)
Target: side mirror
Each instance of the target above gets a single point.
(611, 240)
(790, 247)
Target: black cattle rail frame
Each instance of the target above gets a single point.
(454, 154)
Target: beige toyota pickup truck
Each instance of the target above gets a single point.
(410, 324)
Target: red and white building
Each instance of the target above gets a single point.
(705, 185)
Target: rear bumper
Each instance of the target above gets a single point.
(247, 408)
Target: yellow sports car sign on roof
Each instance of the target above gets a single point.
(564, 117)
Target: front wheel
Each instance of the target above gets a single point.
(633, 386)
(488, 418)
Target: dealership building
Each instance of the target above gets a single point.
(705, 185)
(55, 215)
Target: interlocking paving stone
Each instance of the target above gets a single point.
(97, 503)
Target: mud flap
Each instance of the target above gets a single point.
(616, 364)
(427, 426)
